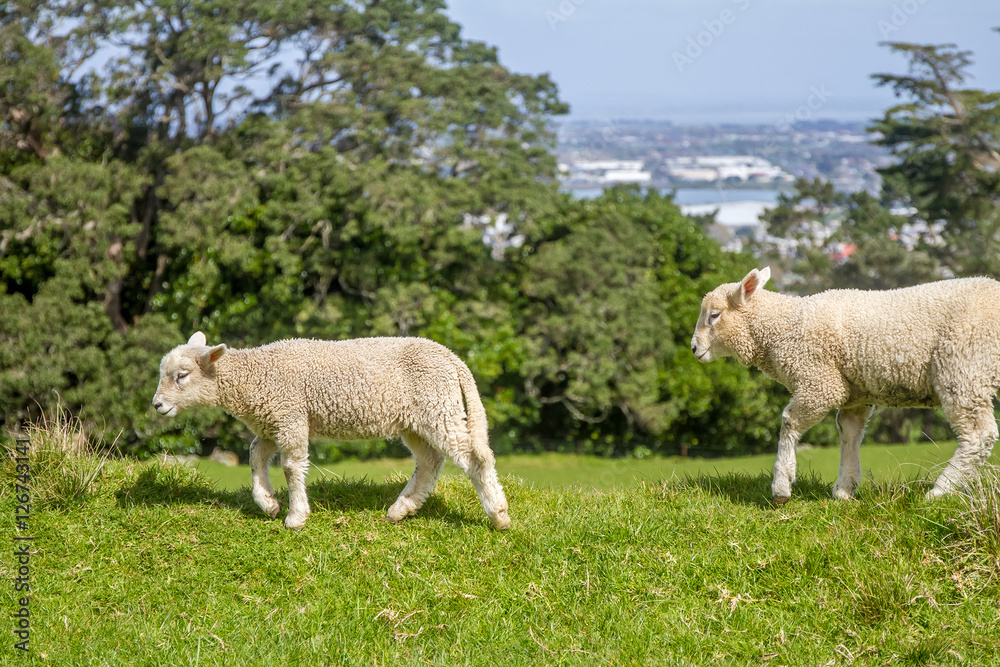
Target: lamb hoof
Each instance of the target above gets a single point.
(399, 511)
(935, 493)
(294, 522)
(501, 521)
(842, 494)
(780, 500)
(269, 506)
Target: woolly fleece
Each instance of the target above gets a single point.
(851, 350)
(290, 390)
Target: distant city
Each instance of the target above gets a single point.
(663, 155)
(732, 172)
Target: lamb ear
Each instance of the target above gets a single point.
(211, 355)
(765, 275)
(198, 338)
(751, 284)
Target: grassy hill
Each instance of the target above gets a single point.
(151, 564)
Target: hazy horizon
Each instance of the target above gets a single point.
(738, 61)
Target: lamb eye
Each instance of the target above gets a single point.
(713, 316)
(182, 375)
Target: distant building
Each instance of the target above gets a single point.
(627, 176)
(712, 168)
(741, 218)
(842, 252)
(599, 173)
(606, 165)
(693, 175)
(736, 222)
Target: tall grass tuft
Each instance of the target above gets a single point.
(881, 594)
(977, 527)
(976, 540)
(65, 466)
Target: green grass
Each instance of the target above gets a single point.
(153, 564)
(878, 462)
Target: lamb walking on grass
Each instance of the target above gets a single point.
(933, 344)
(348, 390)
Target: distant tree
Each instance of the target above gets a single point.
(947, 142)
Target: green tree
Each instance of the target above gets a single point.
(612, 296)
(947, 143)
(168, 192)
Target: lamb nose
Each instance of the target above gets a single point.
(157, 402)
(694, 349)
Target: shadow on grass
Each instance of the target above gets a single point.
(165, 485)
(361, 493)
(755, 489)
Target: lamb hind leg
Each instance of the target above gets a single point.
(977, 433)
(429, 462)
(851, 426)
(261, 453)
(482, 472)
(478, 464)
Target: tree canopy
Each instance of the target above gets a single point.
(260, 171)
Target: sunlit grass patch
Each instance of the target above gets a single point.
(160, 564)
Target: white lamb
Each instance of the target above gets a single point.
(933, 344)
(348, 390)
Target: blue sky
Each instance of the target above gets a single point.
(726, 60)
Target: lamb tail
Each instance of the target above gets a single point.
(475, 413)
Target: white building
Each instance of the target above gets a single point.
(710, 168)
(606, 165)
(599, 173)
(738, 215)
(627, 176)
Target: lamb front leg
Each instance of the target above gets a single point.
(292, 438)
(261, 453)
(798, 416)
